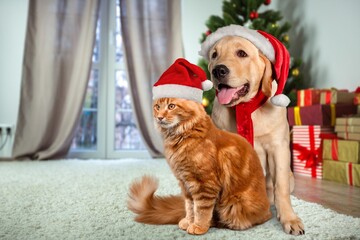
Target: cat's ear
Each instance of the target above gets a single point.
(267, 78)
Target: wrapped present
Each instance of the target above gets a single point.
(306, 149)
(323, 115)
(349, 136)
(357, 99)
(341, 150)
(354, 120)
(342, 172)
(307, 97)
(336, 96)
(347, 128)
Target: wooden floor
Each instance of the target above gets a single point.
(339, 197)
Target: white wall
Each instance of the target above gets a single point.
(325, 34)
(13, 16)
(194, 15)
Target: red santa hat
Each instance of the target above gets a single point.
(182, 80)
(270, 46)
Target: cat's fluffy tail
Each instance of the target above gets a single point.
(152, 209)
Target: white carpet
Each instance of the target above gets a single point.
(86, 199)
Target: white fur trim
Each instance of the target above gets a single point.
(262, 43)
(207, 85)
(280, 100)
(177, 91)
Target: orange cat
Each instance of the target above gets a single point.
(219, 173)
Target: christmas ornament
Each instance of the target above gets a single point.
(254, 15)
(205, 102)
(286, 38)
(208, 32)
(267, 2)
(295, 72)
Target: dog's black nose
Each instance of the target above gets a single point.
(220, 71)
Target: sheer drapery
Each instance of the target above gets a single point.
(151, 32)
(56, 67)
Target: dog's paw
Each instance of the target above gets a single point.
(184, 224)
(293, 226)
(196, 229)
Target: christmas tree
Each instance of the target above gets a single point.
(246, 13)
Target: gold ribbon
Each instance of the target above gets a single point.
(333, 114)
(302, 97)
(297, 116)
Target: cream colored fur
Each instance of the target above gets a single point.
(271, 129)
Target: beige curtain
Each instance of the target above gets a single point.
(57, 60)
(151, 32)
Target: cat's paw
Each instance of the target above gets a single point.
(184, 224)
(196, 229)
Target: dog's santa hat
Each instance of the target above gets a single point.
(270, 46)
(182, 80)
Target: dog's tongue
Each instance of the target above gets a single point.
(225, 95)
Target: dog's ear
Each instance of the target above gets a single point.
(266, 81)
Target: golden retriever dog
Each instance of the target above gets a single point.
(236, 63)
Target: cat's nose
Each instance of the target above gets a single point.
(160, 118)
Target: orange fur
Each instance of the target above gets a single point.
(143, 202)
(219, 173)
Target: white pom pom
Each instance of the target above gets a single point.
(280, 100)
(207, 85)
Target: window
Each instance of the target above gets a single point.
(107, 127)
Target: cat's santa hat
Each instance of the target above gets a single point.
(182, 80)
(270, 46)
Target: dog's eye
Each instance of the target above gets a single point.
(241, 54)
(214, 55)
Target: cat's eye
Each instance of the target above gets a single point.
(171, 106)
(157, 106)
(241, 53)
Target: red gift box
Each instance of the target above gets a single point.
(324, 115)
(307, 152)
(308, 97)
(357, 99)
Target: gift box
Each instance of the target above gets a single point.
(307, 97)
(341, 150)
(355, 120)
(323, 115)
(349, 136)
(306, 150)
(336, 96)
(347, 128)
(342, 172)
(357, 99)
